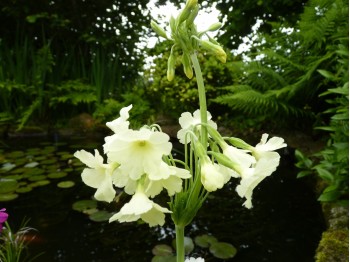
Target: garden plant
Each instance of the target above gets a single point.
(140, 161)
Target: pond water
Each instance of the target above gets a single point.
(285, 223)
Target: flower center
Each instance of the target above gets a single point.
(141, 143)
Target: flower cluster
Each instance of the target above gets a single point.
(136, 161)
(234, 159)
(187, 39)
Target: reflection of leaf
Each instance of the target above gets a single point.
(8, 166)
(223, 250)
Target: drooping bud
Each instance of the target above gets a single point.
(186, 61)
(214, 48)
(172, 23)
(158, 29)
(171, 65)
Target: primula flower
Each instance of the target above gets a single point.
(264, 146)
(173, 184)
(188, 122)
(3, 217)
(141, 207)
(213, 176)
(241, 159)
(98, 175)
(139, 152)
(252, 176)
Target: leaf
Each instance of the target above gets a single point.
(205, 240)
(324, 174)
(65, 184)
(100, 216)
(83, 205)
(223, 250)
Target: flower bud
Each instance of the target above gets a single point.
(158, 29)
(214, 27)
(186, 61)
(214, 48)
(192, 16)
(172, 23)
(171, 67)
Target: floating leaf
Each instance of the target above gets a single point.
(24, 189)
(7, 185)
(15, 154)
(48, 161)
(188, 243)
(8, 166)
(33, 172)
(8, 197)
(223, 250)
(205, 240)
(40, 183)
(82, 205)
(100, 216)
(162, 250)
(66, 184)
(37, 178)
(31, 164)
(57, 175)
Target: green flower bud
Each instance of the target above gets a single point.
(171, 67)
(214, 27)
(192, 16)
(186, 61)
(214, 48)
(224, 160)
(158, 29)
(172, 23)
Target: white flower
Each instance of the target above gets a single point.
(192, 259)
(272, 144)
(141, 207)
(188, 122)
(173, 184)
(118, 126)
(139, 152)
(241, 159)
(98, 175)
(212, 175)
(252, 176)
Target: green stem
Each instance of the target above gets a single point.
(202, 99)
(180, 243)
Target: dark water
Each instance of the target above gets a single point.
(284, 225)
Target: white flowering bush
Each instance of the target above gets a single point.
(141, 162)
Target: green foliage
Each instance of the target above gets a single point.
(332, 163)
(281, 79)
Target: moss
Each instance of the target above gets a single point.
(334, 246)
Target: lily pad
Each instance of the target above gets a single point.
(37, 178)
(8, 166)
(33, 172)
(40, 183)
(8, 197)
(24, 189)
(100, 216)
(205, 240)
(8, 185)
(57, 175)
(31, 164)
(223, 250)
(82, 205)
(48, 161)
(66, 184)
(188, 243)
(15, 154)
(162, 250)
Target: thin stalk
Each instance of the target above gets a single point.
(202, 99)
(180, 243)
